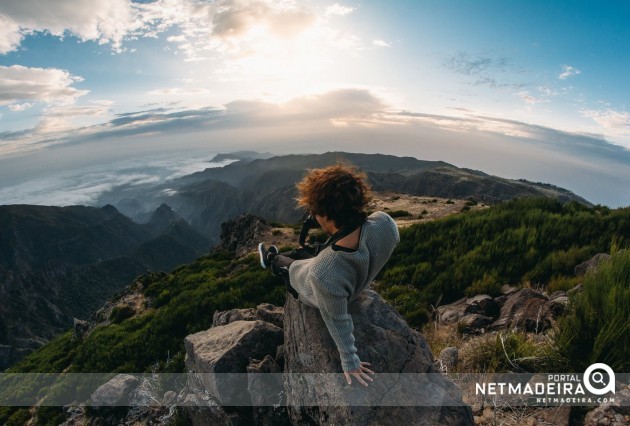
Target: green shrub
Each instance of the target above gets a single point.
(276, 232)
(561, 283)
(120, 313)
(596, 327)
(489, 284)
(399, 213)
(449, 202)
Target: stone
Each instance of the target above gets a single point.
(473, 324)
(263, 312)
(169, 398)
(266, 388)
(521, 310)
(228, 349)
(453, 312)
(240, 235)
(203, 412)
(115, 392)
(383, 338)
(80, 328)
(507, 289)
(225, 317)
(616, 413)
(591, 265)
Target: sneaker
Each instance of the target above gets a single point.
(266, 255)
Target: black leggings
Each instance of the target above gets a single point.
(281, 262)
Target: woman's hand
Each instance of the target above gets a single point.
(360, 374)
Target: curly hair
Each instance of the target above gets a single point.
(338, 192)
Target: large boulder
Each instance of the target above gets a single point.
(591, 264)
(228, 349)
(241, 234)
(383, 339)
(115, 392)
(521, 310)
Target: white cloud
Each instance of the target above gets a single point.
(381, 43)
(613, 122)
(568, 71)
(530, 99)
(101, 21)
(339, 10)
(20, 107)
(19, 84)
(179, 91)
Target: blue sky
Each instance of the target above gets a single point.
(533, 89)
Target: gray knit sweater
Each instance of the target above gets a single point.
(335, 278)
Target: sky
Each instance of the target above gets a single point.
(533, 89)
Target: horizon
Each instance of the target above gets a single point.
(532, 91)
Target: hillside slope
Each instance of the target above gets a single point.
(57, 263)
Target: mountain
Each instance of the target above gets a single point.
(521, 242)
(266, 186)
(57, 263)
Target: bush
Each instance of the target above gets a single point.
(120, 313)
(489, 285)
(276, 232)
(596, 327)
(399, 213)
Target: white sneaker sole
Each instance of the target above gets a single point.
(260, 255)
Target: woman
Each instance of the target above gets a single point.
(358, 247)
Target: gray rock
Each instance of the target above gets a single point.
(522, 310)
(80, 328)
(240, 234)
(453, 312)
(115, 392)
(266, 387)
(169, 398)
(390, 345)
(263, 312)
(613, 414)
(225, 317)
(474, 324)
(507, 289)
(449, 357)
(592, 264)
(202, 412)
(228, 349)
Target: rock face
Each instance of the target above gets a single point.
(592, 264)
(227, 349)
(390, 345)
(612, 414)
(240, 341)
(523, 310)
(239, 235)
(116, 391)
(264, 312)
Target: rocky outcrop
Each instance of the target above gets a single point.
(615, 413)
(240, 235)
(591, 264)
(227, 349)
(521, 310)
(391, 346)
(240, 341)
(116, 391)
(263, 312)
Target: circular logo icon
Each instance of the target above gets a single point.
(593, 375)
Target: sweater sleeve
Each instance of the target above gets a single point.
(333, 306)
